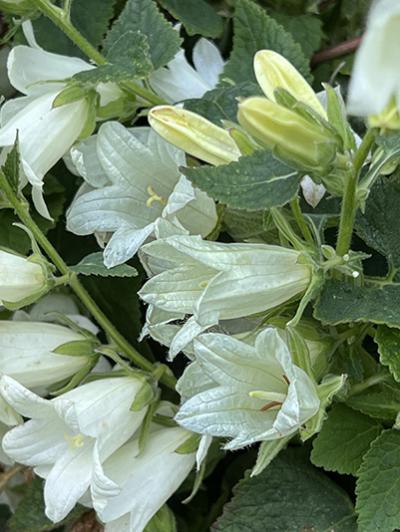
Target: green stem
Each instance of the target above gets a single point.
(21, 208)
(61, 19)
(285, 229)
(299, 217)
(349, 207)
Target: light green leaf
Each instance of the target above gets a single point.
(289, 495)
(388, 341)
(163, 521)
(379, 226)
(258, 181)
(197, 16)
(254, 30)
(144, 16)
(342, 302)
(378, 485)
(222, 103)
(93, 264)
(344, 439)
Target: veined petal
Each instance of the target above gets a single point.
(25, 402)
(29, 67)
(85, 159)
(124, 244)
(193, 381)
(208, 61)
(186, 334)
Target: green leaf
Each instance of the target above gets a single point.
(306, 30)
(93, 264)
(254, 30)
(197, 16)
(29, 515)
(129, 59)
(383, 404)
(11, 166)
(267, 451)
(291, 496)
(379, 226)
(221, 103)
(341, 302)
(144, 16)
(256, 182)
(163, 521)
(82, 16)
(242, 225)
(378, 485)
(344, 439)
(388, 341)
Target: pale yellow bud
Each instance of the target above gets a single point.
(289, 134)
(273, 71)
(194, 134)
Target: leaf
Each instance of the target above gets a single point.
(383, 404)
(11, 166)
(291, 496)
(129, 59)
(144, 16)
(254, 30)
(267, 451)
(388, 341)
(29, 515)
(93, 264)
(379, 226)
(221, 103)
(345, 437)
(306, 30)
(82, 16)
(341, 302)
(197, 16)
(378, 485)
(258, 181)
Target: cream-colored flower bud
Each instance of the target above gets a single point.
(289, 134)
(273, 71)
(194, 134)
(20, 278)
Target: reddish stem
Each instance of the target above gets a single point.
(344, 48)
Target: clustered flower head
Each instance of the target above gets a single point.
(82, 407)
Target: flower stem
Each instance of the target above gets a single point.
(61, 19)
(349, 207)
(21, 208)
(299, 217)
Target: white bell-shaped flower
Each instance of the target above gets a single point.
(134, 182)
(131, 486)
(212, 281)
(180, 81)
(375, 82)
(20, 278)
(243, 392)
(63, 435)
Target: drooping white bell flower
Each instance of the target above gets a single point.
(135, 182)
(247, 393)
(45, 133)
(131, 486)
(213, 281)
(375, 81)
(180, 81)
(27, 352)
(62, 435)
(20, 279)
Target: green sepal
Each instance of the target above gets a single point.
(190, 445)
(89, 126)
(77, 348)
(337, 117)
(267, 451)
(299, 351)
(76, 379)
(144, 397)
(73, 92)
(146, 424)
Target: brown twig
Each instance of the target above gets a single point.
(344, 48)
(6, 476)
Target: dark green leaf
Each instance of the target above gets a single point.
(342, 302)
(197, 16)
(388, 341)
(256, 182)
(221, 103)
(254, 30)
(383, 404)
(379, 226)
(344, 439)
(306, 30)
(90, 17)
(93, 264)
(289, 495)
(378, 485)
(144, 16)
(11, 166)
(29, 515)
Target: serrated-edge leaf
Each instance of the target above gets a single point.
(197, 16)
(93, 264)
(378, 485)
(388, 341)
(259, 181)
